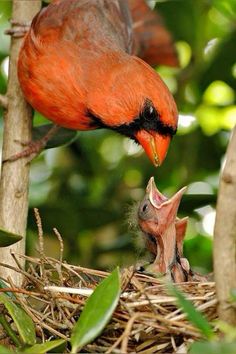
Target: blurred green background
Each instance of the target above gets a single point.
(86, 190)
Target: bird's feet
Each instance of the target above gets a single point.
(19, 29)
(33, 148)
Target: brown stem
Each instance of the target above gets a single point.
(14, 181)
(225, 236)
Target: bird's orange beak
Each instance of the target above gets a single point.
(154, 144)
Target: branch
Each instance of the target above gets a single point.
(225, 236)
(3, 101)
(14, 181)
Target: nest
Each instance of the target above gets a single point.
(146, 319)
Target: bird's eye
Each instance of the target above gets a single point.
(149, 112)
(144, 208)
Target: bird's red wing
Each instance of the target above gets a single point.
(127, 24)
(152, 41)
(65, 41)
(71, 21)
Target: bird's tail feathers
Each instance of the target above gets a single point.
(152, 40)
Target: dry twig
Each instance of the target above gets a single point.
(146, 320)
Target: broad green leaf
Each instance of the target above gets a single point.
(23, 322)
(226, 7)
(194, 201)
(5, 350)
(44, 347)
(3, 285)
(7, 238)
(221, 59)
(62, 136)
(213, 348)
(194, 316)
(97, 311)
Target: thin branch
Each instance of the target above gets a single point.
(14, 181)
(225, 236)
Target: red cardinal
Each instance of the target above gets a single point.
(77, 67)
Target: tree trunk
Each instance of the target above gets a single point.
(225, 236)
(17, 126)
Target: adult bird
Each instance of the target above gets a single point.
(77, 67)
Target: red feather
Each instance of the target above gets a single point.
(76, 67)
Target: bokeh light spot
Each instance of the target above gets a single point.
(186, 123)
(219, 93)
(208, 215)
(112, 149)
(208, 222)
(211, 47)
(200, 188)
(133, 178)
(229, 117)
(233, 70)
(131, 148)
(5, 67)
(184, 53)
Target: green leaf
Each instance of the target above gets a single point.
(3, 285)
(213, 348)
(194, 201)
(23, 322)
(5, 350)
(7, 238)
(63, 136)
(194, 316)
(97, 311)
(44, 347)
(221, 59)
